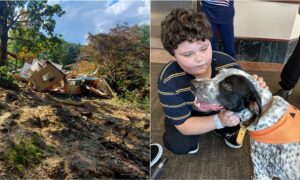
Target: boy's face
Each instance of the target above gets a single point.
(194, 57)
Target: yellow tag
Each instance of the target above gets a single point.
(241, 134)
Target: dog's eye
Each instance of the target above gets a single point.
(228, 81)
(227, 84)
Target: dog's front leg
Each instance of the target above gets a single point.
(259, 161)
(260, 175)
(244, 115)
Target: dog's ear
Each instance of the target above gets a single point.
(253, 102)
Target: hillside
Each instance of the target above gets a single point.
(50, 136)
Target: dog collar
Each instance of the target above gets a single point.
(267, 106)
(241, 134)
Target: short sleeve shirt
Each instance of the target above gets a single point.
(174, 88)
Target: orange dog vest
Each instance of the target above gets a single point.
(286, 130)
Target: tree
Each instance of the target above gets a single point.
(123, 55)
(34, 45)
(26, 14)
(72, 51)
(37, 45)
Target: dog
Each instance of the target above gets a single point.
(272, 123)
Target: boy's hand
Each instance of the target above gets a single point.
(261, 81)
(228, 118)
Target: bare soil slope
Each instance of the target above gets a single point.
(90, 138)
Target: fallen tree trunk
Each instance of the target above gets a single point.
(62, 101)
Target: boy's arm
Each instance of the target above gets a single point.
(202, 124)
(197, 125)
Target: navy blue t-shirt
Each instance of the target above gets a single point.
(174, 88)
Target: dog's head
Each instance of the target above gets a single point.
(238, 93)
(233, 90)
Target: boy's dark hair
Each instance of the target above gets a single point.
(181, 25)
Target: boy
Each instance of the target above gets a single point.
(186, 35)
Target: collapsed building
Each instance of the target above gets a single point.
(48, 76)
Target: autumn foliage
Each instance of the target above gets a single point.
(123, 57)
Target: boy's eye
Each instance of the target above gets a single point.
(188, 55)
(203, 49)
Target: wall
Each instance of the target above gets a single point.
(264, 31)
(262, 19)
(296, 28)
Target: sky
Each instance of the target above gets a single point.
(98, 16)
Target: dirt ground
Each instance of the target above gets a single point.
(84, 138)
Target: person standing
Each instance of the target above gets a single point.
(290, 74)
(220, 14)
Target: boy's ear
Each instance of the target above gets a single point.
(174, 58)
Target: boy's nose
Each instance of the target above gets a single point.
(199, 58)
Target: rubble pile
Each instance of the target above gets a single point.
(48, 76)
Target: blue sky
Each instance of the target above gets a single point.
(100, 16)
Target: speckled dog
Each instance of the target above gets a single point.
(273, 124)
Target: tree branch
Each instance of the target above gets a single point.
(16, 19)
(15, 56)
(23, 21)
(16, 38)
(12, 55)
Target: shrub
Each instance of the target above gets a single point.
(6, 79)
(137, 99)
(20, 155)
